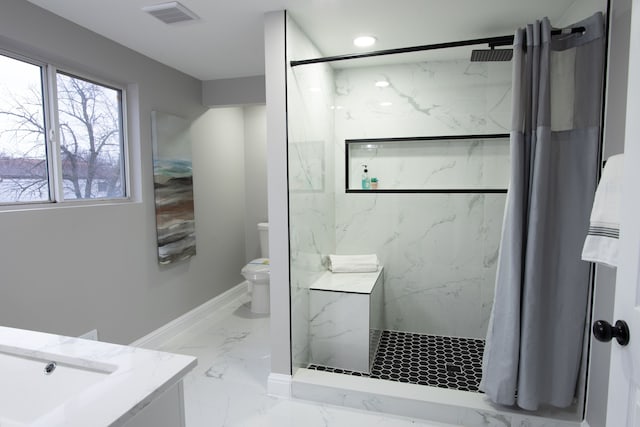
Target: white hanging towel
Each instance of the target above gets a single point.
(601, 244)
(353, 263)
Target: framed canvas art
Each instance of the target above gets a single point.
(173, 188)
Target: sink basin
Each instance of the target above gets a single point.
(49, 380)
(28, 391)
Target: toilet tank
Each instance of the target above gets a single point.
(263, 229)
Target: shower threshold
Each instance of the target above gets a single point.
(431, 360)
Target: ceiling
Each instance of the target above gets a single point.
(227, 41)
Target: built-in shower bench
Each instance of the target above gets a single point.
(346, 318)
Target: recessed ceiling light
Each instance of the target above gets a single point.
(382, 83)
(336, 107)
(386, 104)
(364, 41)
(315, 89)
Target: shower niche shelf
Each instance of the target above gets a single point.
(429, 164)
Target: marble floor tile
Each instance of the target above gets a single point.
(228, 387)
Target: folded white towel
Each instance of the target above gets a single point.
(601, 244)
(353, 263)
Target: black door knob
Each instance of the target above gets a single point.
(603, 331)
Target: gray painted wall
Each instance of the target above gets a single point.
(69, 270)
(255, 166)
(239, 133)
(233, 92)
(221, 198)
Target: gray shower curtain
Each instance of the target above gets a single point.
(534, 341)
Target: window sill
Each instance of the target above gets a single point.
(32, 206)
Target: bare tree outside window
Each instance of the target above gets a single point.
(90, 162)
(90, 140)
(23, 154)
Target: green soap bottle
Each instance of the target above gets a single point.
(366, 182)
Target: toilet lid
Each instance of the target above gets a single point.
(257, 269)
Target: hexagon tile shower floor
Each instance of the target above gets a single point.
(437, 361)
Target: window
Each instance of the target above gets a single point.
(61, 136)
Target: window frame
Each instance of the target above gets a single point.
(48, 80)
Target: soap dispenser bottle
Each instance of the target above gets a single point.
(366, 182)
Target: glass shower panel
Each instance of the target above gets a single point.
(423, 128)
(311, 182)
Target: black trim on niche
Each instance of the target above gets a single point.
(414, 139)
(435, 190)
(428, 138)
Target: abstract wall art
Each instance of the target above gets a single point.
(173, 188)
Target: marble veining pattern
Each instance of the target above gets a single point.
(131, 377)
(439, 251)
(454, 407)
(311, 181)
(228, 387)
(429, 98)
(339, 330)
(345, 310)
(233, 344)
(432, 164)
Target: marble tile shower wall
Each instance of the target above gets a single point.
(311, 180)
(439, 250)
(471, 164)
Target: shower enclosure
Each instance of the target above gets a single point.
(432, 128)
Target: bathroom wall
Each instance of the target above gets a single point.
(255, 171)
(311, 180)
(68, 270)
(279, 382)
(220, 137)
(239, 91)
(472, 164)
(439, 250)
(614, 129)
(237, 135)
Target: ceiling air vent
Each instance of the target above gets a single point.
(171, 12)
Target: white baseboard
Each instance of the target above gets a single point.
(156, 338)
(279, 385)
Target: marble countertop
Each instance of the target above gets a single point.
(358, 283)
(133, 378)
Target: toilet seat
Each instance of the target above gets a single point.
(257, 270)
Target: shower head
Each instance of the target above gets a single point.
(491, 55)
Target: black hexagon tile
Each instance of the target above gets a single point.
(432, 360)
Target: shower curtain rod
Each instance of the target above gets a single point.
(491, 41)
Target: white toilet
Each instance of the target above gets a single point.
(257, 273)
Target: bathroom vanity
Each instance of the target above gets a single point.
(51, 380)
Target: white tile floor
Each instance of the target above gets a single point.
(228, 387)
